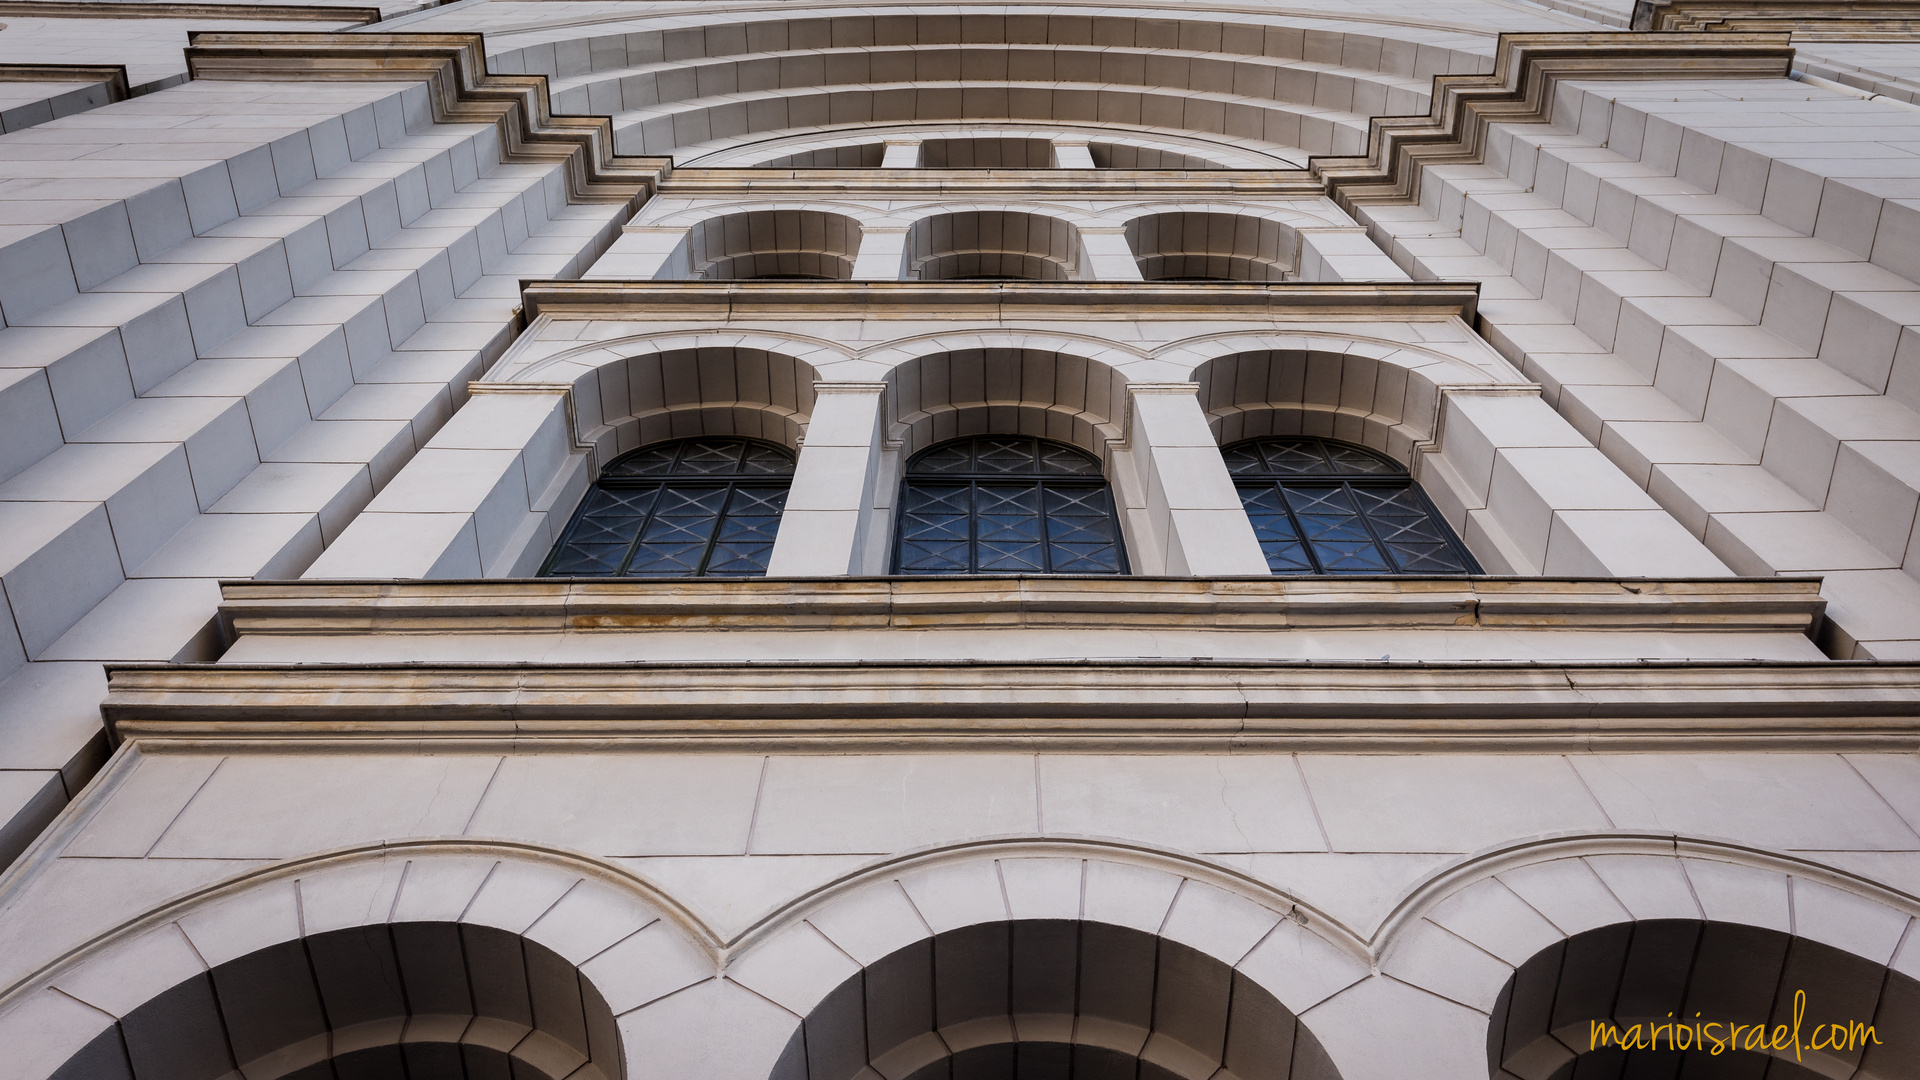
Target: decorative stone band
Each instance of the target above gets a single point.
(90, 9)
(1807, 20)
(1722, 605)
(1081, 706)
(462, 91)
(1520, 90)
(1076, 184)
(111, 77)
(1373, 301)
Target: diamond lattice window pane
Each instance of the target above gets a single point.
(1332, 525)
(999, 524)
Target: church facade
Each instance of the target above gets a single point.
(794, 540)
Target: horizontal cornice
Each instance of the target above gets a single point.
(462, 91)
(1520, 90)
(1806, 20)
(601, 299)
(89, 9)
(708, 183)
(1104, 706)
(548, 605)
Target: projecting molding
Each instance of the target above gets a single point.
(601, 299)
(1067, 705)
(113, 77)
(1075, 184)
(553, 605)
(1520, 90)
(1806, 20)
(88, 9)
(454, 67)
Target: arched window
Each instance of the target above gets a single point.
(688, 508)
(1325, 507)
(1006, 504)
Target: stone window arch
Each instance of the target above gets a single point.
(773, 244)
(704, 507)
(1050, 999)
(1320, 506)
(992, 244)
(426, 1000)
(1007, 504)
(1213, 247)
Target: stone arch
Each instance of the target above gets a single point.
(1719, 989)
(992, 243)
(1494, 930)
(288, 965)
(1213, 244)
(682, 391)
(768, 243)
(1005, 390)
(1222, 936)
(1049, 999)
(1374, 395)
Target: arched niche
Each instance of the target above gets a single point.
(421, 1000)
(1654, 972)
(788, 243)
(992, 244)
(688, 392)
(1330, 391)
(1215, 246)
(1011, 391)
(986, 153)
(1052, 999)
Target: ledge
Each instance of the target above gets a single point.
(103, 9)
(1722, 605)
(712, 182)
(1376, 301)
(1088, 706)
(1806, 20)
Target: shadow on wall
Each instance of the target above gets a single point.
(422, 1000)
(1674, 990)
(807, 244)
(1052, 999)
(992, 244)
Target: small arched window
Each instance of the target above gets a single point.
(1006, 504)
(1325, 507)
(688, 508)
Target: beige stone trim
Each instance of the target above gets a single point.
(1721, 605)
(1520, 90)
(741, 183)
(1372, 301)
(113, 76)
(462, 91)
(1806, 20)
(89, 9)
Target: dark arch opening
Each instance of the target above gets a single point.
(1052, 999)
(1657, 972)
(420, 1001)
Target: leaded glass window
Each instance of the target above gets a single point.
(1325, 507)
(688, 508)
(1007, 504)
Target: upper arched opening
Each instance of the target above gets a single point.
(1213, 247)
(791, 244)
(992, 245)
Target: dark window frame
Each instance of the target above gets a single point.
(1040, 481)
(735, 483)
(1387, 475)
